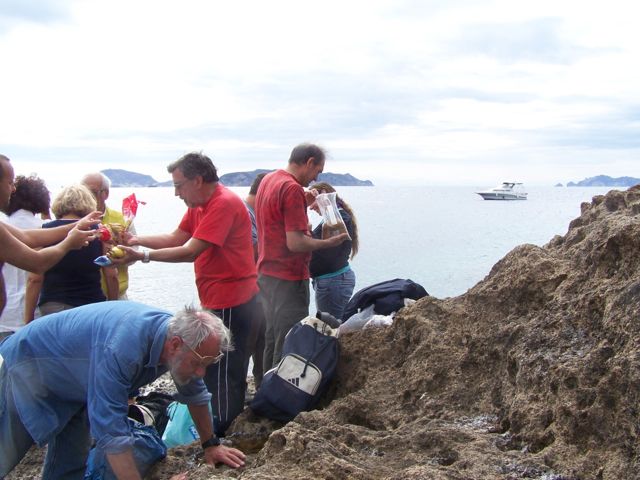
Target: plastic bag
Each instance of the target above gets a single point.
(113, 233)
(357, 321)
(130, 208)
(180, 429)
(379, 321)
(332, 223)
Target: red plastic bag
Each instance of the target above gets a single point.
(130, 208)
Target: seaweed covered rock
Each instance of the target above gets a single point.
(533, 373)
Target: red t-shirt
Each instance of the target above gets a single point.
(280, 208)
(225, 272)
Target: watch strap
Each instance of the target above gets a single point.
(212, 442)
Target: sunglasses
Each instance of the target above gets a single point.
(208, 360)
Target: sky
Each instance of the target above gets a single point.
(401, 92)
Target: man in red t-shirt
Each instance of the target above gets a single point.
(215, 234)
(285, 245)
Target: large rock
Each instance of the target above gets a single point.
(533, 373)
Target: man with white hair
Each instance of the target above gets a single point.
(66, 378)
(99, 185)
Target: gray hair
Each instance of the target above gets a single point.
(193, 326)
(105, 182)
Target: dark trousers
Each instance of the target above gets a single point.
(257, 354)
(286, 302)
(227, 379)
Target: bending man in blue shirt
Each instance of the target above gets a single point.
(66, 378)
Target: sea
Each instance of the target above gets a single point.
(444, 238)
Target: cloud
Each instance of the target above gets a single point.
(13, 12)
(392, 88)
(538, 40)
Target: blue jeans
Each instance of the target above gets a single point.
(333, 293)
(66, 453)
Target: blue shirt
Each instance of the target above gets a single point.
(92, 356)
(254, 227)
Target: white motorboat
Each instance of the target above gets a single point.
(506, 191)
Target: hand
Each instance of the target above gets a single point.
(180, 476)
(227, 455)
(131, 255)
(77, 238)
(130, 239)
(314, 206)
(85, 223)
(310, 195)
(337, 240)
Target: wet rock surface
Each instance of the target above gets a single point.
(534, 373)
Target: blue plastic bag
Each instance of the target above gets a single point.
(180, 429)
(147, 450)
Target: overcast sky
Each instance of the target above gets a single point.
(399, 92)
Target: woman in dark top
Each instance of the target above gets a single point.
(333, 278)
(74, 280)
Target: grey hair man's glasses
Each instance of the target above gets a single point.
(207, 360)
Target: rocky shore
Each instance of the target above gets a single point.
(534, 373)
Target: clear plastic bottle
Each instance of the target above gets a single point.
(332, 223)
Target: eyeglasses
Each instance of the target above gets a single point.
(208, 360)
(179, 185)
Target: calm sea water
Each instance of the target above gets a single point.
(445, 238)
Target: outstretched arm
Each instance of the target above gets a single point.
(163, 240)
(16, 253)
(183, 253)
(41, 237)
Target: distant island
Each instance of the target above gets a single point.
(605, 181)
(245, 179)
(125, 178)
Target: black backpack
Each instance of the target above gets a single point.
(387, 297)
(309, 360)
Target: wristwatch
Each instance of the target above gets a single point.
(145, 256)
(212, 442)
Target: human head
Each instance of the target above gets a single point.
(30, 194)
(75, 200)
(195, 164)
(194, 178)
(256, 183)
(7, 186)
(98, 184)
(324, 187)
(192, 330)
(307, 162)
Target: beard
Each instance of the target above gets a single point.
(178, 378)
